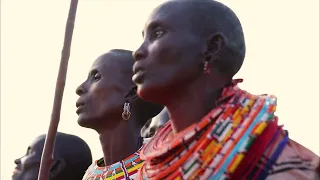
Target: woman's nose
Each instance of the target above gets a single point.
(80, 90)
(17, 161)
(140, 53)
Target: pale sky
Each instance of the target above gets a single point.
(282, 40)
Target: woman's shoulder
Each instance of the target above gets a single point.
(95, 170)
(127, 167)
(295, 161)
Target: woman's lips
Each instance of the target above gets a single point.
(138, 77)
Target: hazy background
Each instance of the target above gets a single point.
(282, 58)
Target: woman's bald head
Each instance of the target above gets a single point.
(103, 94)
(207, 18)
(180, 37)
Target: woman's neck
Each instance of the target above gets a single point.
(192, 105)
(120, 142)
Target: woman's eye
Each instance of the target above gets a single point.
(96, 77)
(159, 33)
(30, 152)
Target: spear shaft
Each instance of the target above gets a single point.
(47, 154)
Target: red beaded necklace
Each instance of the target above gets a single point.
(203, 148)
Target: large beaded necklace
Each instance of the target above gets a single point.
(214, 147)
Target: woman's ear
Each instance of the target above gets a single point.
(215, 44)
(57, 167)
(132, 94)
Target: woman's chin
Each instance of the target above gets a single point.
(149, 92)
(144, 92)
(83, 121)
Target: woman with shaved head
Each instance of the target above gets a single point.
(190, 53)
(71, 158)
(105, 106)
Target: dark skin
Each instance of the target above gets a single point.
(100, 105)
(102, 94)
(27, 167)
(169, 65)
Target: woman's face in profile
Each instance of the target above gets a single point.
(27, 167)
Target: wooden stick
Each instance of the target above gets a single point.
(47, 154)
